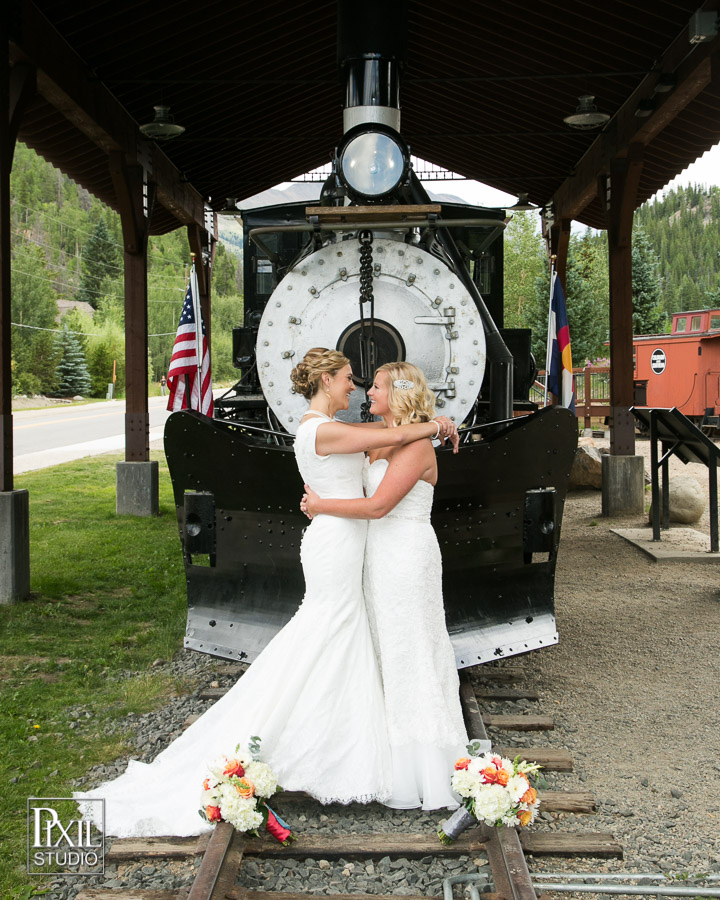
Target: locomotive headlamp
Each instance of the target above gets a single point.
(372, 161)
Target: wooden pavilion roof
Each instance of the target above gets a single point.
(256, 86)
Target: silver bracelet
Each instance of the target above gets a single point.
(437, 433)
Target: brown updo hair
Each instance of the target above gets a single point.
(408, 405)
(307, 374)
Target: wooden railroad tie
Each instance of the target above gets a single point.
(506, 693)
(518, 723)
(550, 801)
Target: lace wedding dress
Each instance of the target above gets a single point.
(314, 695)
(403, 594)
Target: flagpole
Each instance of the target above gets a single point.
(548, 348)
(198, 333)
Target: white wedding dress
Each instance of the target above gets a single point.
(403, 595)
(314, 695)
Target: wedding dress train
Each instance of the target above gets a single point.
(314, 695)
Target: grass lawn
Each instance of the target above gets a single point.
(108, 598)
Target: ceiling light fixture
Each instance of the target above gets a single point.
(665, 83)
(644, 109)
(163, 127)
(522, 205)
(587, 115)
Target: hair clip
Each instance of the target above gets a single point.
(403, 384)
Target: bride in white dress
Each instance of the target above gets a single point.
(314, 695)
(403, 594)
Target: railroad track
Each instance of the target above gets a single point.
(223, 852)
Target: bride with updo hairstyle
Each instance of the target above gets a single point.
(402, 585)
(314, 695)
(307, 374)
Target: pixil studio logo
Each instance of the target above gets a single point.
(60, 842)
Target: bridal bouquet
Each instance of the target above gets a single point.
(495, 791)
(236, 791)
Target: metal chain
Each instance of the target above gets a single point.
(367, 338)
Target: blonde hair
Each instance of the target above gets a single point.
(408, 405)
(306, 375)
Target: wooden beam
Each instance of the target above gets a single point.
(692, 66)
(67, 83)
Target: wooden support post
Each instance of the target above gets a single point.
(557, 238)
(619, 192)
(135, 196)
(7, 146)
(17, 87)
(203, 243)
(137, 480)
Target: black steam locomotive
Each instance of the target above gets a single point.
(379, 272)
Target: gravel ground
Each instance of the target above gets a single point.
(632, 687)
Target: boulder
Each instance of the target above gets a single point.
(586, 470)
(687, 500)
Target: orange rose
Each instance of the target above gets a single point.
(496, 761)
(525, 817)
(489, 774)
(206, 784)
(502, 777)
(462, 763)
(245, 788)
(234, 767)
(530, 796)
(213, 813)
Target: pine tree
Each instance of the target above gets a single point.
(72, 371)
(100, 265)
(648, 316)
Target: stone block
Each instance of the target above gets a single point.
(137, 492)
(14, 546)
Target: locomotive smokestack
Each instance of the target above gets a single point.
(372, 48)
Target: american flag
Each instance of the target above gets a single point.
(185, 360)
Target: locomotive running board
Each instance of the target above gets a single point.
(497, 513)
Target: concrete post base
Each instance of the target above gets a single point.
(137, 489)
(623, 485)
(14, 546)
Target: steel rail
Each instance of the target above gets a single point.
(511, 875)
(219, 866)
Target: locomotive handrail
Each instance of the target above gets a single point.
(354, 226)
(245, 427)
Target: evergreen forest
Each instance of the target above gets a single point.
(676, 266)
(67, 282)
(68, 334)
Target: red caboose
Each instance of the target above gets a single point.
(682, 368)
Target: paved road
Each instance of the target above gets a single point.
(46, 437)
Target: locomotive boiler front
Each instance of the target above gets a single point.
(422, 313)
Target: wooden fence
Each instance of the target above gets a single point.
(592, 392)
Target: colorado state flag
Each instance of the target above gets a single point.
(559, 370)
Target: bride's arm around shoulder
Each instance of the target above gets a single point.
(339, 437)
(408, 465)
